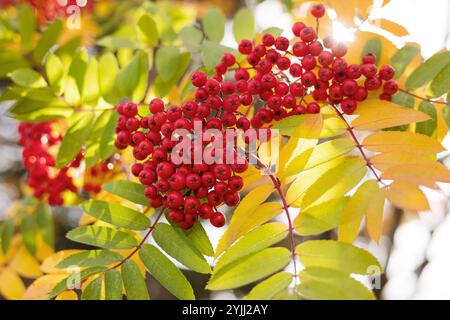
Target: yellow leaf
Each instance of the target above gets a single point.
(345, 11)
(263, 213)
(247, 205)
(442, 128)
(41, 287)
(43, 250)
(322, 153)
(375, 114)
(11, 286)
(374, 215)
(335, 182)
(67, 295)
(407, 196)
(25, 264)
(389, 141)
(418, 174)
(355, 211)
(384, 161)
(305, 137)
(391, 27)
(298, 188)
(49, 264)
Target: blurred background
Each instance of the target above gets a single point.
(413, 250)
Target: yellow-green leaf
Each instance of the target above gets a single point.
(268, 288)
(320, 218)
(166, 272)
(335, 182)
(103, 237)
(247, 205)
(326, 284)
(178, 245)
(134, 282)
(254, 241)
(336, 255)
(355, 211)
(113, 285)
(249, 269)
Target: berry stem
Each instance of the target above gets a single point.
(280, 192)
(138, 247)
(423, 98)
(358, 144)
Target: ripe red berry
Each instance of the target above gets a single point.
(297, 28)
(245, 46)
(318, 10)
(198, 79)
(268, 40)
(156, 105)
(387, 72)
(174, 199)
(369, 58)
(390, 87)
(282, 43)
(313, 107)
(217, 220)
(348, 106)
(308, 34)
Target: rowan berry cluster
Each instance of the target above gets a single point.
(99, 174)
(277, 78)
(44, 178)
(190, 190)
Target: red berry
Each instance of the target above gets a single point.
(217, 220)
(231, 198)
(174, 199)
(318, 10)
(156, 105)
(369, 58)
(297, 28)
(282, 43)
(313, 107)
(386, 72)
(245, 47)
(268, 40)
(198, 79)
(348, 106)
(308, 34)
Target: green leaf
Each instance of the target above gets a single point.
(90, 258)
(28, 230)
(131, 82)
(249, 269)
(167, 62)
(428, 70)
(326, 284)
(93, 153)
(148, 29)
(427, 127)
(7, 233)
(93, 290)
(161, 87)
(74, 281)
(446, 115)
(27, 78)
(106, 144)
(117, 42)
(320, 218)
(178, 246)
(48, 39)
(166, 272)
(403, 99)
(134, 282)
(192, 38)
(27, 26)
(108, 68)
(80, 125)
(276, 32)
(90, 91)
(335, 182)
(243, 25)
(200, 240)
(212, 53)
(441, 83)
(402, 58)
(113, 285)
(54, 70)
(214, 24)
(373, 46)
(116, 214)
(268, 288)
(44, 219)
(129, 190)
(254, 241)
(336, 255)
(103, 237)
